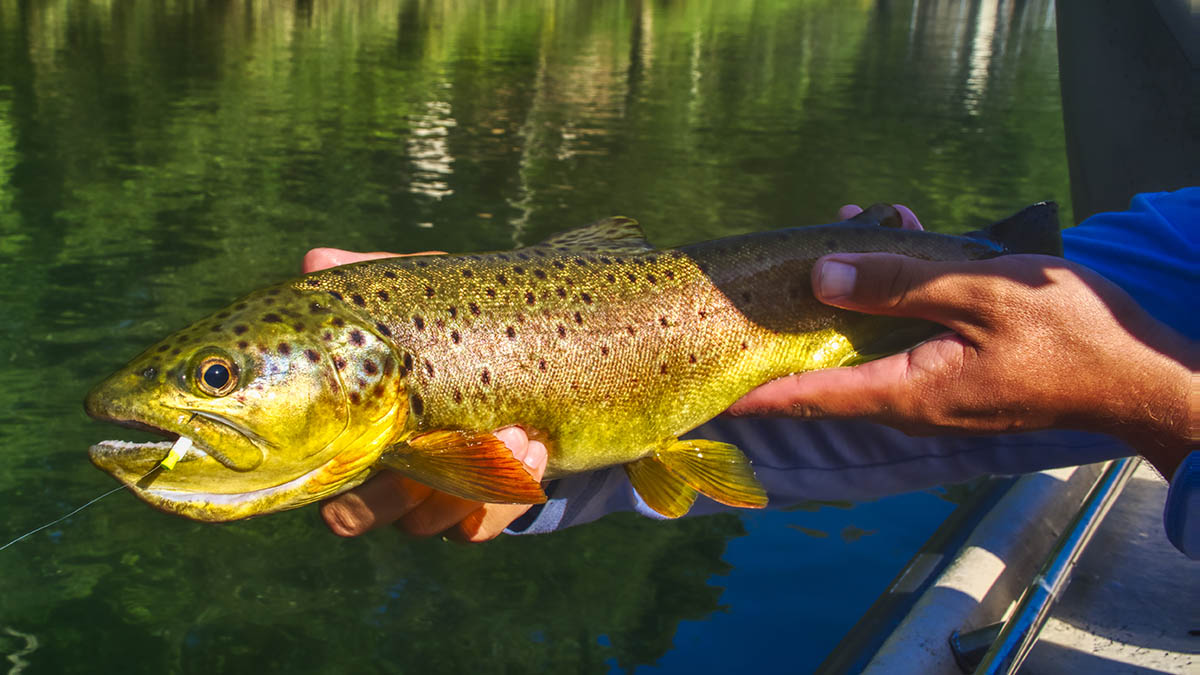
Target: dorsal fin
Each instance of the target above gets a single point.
(883, 215)
(611, 235)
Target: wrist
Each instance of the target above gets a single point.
(1156, 419)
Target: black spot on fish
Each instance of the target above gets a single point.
(581, 262)
(337, 321)
(362, 384)
(629, 329)
(587, 299)
(653, 259)
(558, 264)
(523, 256)
(542, 365)
(518, 269)
(578, 317)
(383, 295)
(272, 318)
(223, 315)
(604, 260)
(419, 322)
(175, 352)
(491, 292)
(389, 274)
(453, 311)
(315, 308)
(539, 253)
(356, 338)
(455, 336)
(408, 361)
(651, 278)
(383, 330)
(474, 309)
(691, 358)
(428, 367)
(501, 279)
(562, 332)
(150, 372)
(468, 274)
(744, 346)
(338, 273)
(240, 306)
(163, 348)
(529, 298)
(562, 292)
(511, 332)
(358, 300)
(284, 349)
(243, 345)
(422, 263)
(631, 276)
(603, 350)
(663, 321)
(611, 278)
(312, 355)
(354, 398)
(327, 336)
(369, 367)
(669, 274)
(539, 274)
(457, 396)
(336, 295)
(703, 314)
(313, 282)
(503, 256)
(485, 377)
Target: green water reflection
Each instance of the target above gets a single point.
(159, 158)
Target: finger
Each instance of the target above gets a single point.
(908, 219)
(856, 391)
(379, 501)
(950, 293)
(849, 211)
(322, 258)
(489, 521)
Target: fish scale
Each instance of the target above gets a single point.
(602, 346)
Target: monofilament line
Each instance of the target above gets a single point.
(35, 531)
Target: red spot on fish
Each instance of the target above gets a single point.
(356, 338)
(369, 367)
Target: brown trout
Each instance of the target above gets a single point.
(603, 346)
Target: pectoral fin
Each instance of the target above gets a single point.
(669, 479)
(471, 465)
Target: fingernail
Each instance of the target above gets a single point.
(835, 280)
(536, 455)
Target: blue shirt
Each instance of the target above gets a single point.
(1152, 251)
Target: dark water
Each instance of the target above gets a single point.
(158, 159)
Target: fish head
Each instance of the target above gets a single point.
(285, 396)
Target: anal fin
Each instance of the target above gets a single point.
(662, 490)
(472, 465)
(717, 470)
(669, 479)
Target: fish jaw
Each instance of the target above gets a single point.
(138, 466)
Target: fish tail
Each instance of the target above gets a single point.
(1033, 229)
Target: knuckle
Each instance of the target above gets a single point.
(418, 524)
(342, 519)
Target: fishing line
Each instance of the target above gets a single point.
(35, 531)
(178, 450)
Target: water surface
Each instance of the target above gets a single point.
(159, 158)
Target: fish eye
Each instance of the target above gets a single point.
(216, 376)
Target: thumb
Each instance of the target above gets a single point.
(897, 285)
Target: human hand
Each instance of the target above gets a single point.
(415, 508)
(1037, 342)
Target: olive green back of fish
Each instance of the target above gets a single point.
(612, 349)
